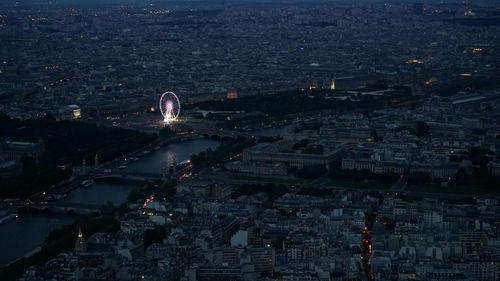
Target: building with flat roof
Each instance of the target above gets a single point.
(270, 152)
(12, 150)
(10, 168)
(260, 168)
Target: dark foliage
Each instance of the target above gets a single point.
(478, 179)
(292, 102)
(419, 178)
(59, 240)
(34, 178)
(302, 143)
(421, 129)
(311, 172)
(155, 235)
(163, 191)
(478, 156)
(223, 153)
(319, 192)
(71, 141)
(65, 142)
(166, 132)
(313, 149)
(354, 175)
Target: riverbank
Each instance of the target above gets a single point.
(22, 236)
(57, 241)
(28, 254)
(30, 230)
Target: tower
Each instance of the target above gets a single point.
(84, 166)
(174, 164)
(80, 246)
(96, 161)
(332, 84)
(165, 174)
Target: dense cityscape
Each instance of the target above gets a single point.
(265, 140)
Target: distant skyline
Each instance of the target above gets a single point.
(141, 2)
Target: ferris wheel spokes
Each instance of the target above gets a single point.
(170, 107)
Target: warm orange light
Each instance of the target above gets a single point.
(414, 61)
(232, 95)
(433, 79)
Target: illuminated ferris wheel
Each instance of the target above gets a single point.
(170, 107)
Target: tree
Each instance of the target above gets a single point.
(228, 149)
(155, 235)
(421, 129)
(479, 156)
(419, 178)
(166, 132)
(110, 210)
(319, 192)
(311, 172)
(59, 240)
(313, 149)
(167, 190)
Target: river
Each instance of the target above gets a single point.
(26, 233)
(21, 236)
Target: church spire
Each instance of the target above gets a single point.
(80, 246)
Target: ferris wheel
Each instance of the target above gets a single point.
(170, 106)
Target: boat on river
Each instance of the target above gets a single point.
(87, 183)
(8, 218)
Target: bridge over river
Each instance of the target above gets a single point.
(121, 174)
(62, 207)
